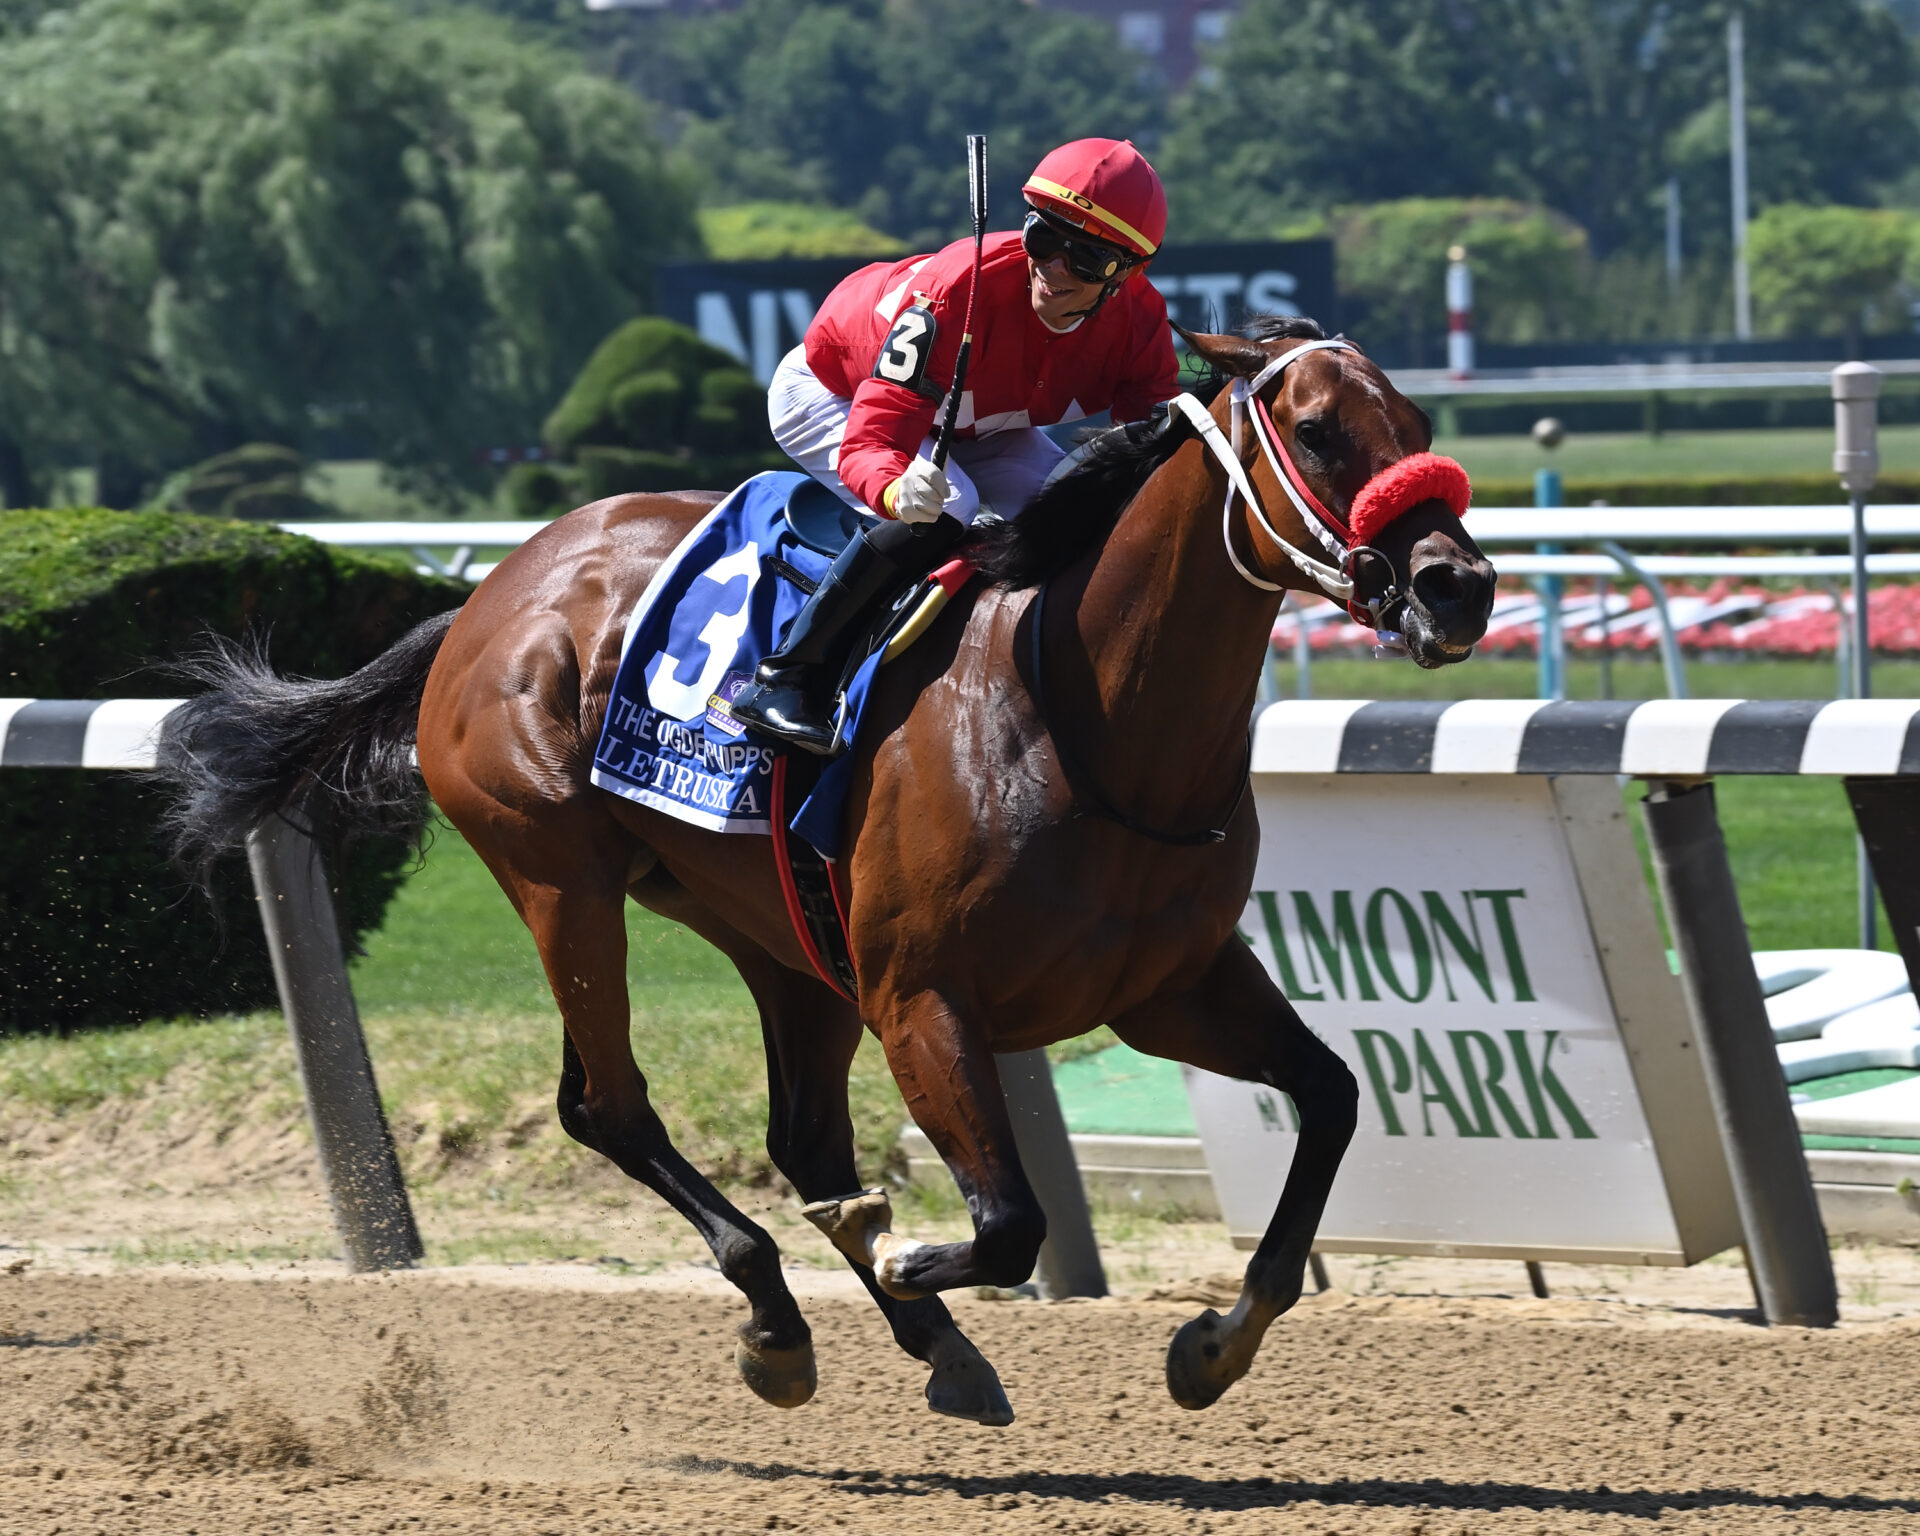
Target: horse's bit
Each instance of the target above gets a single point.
(1335, 581)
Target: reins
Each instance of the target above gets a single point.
(1076, 771)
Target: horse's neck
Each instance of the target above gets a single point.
(1170, 643)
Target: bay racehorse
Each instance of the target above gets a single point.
(1048, 831)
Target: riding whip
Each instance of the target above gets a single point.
(977, 191)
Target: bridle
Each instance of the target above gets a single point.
(1335, 537)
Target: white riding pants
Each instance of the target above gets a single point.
(1000, 471)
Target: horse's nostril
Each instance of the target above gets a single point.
(1440, 585)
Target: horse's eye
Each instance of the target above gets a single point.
(1310, 434)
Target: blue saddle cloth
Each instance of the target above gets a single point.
(709, 615)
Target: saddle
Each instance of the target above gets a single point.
(819, 519)
(715, 607)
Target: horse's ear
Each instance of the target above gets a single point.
(1232, 355)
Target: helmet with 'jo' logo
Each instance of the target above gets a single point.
(1106, 188)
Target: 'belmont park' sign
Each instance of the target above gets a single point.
(1483, 953)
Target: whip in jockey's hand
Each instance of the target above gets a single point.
(1065, 325)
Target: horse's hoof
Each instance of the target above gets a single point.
(1196, 1375)
(784, 1377)
(969, 1388)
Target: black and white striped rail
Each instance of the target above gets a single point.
(81, 733)
(1655, 738)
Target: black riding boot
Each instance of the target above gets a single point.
(788, 698)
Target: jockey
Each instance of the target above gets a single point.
(1065, 325)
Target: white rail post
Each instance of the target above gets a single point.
(1737, 172)
(1856, 460)
(357, 1159)
(1459, 313)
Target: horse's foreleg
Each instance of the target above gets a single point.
(811, 1036)
(946, 1073)
(603, 1104)
(1237, 1022)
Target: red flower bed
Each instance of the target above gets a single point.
(1721, 616)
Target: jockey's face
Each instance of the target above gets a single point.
(1058, 296)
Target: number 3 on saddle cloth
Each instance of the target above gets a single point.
(717, 605)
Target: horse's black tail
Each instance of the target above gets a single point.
(255, 744)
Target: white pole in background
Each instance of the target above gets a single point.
(1459, 313)
(1856, 460)
(1673, 237)
(1737, 122)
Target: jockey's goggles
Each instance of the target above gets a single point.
(1092, 261)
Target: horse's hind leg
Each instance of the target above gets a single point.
(603, 1104)
(811, 1037)
(811, 1034)
(1237, 1022)
(946, 1072)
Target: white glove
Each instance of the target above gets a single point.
(919, 495)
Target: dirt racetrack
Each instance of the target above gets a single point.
(215, 1403)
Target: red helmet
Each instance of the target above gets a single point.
(1106, 187)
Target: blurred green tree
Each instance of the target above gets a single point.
(1316, 103)
(1586, 108)
(1820, 270)
(224, 222)
(864, 104)
(1530, 280)
(654, 409)
(765, 230)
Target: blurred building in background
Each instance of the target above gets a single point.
(1171, 36)
(669, 7)
(1906, 11)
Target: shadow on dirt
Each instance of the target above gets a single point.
(1276, 1493)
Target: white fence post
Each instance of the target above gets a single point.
(1459, 313)
(1856, 460)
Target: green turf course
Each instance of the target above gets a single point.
(1119, 1092)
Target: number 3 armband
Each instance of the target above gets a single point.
(906, 351)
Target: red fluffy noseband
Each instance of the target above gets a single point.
(1416, 478)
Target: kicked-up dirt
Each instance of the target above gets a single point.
(564, 1399)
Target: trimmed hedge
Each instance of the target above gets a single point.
(636, 389)
(1700, 491)
(261, 482)
(97, 929)
(654, 409)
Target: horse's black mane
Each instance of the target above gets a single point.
(1080, 508)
